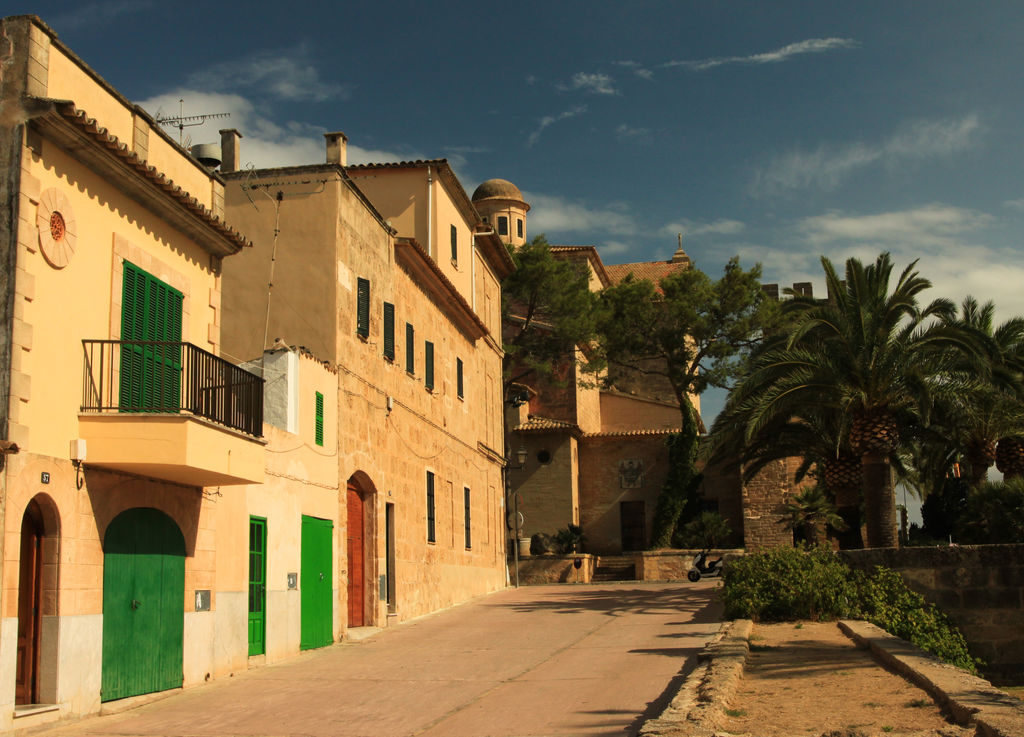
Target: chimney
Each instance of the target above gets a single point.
(336, 148)
(229, 150)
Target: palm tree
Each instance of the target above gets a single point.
(993, 411)
(809, 512)
(870, 354)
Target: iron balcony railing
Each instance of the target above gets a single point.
(170, 378)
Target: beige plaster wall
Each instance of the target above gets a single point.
(620, 413)
(61, 307)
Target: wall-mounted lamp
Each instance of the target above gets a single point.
(78, 454)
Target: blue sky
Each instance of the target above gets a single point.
(779, 131)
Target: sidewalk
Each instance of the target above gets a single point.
(545, 660)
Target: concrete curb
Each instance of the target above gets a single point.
(972, 701)
(696, 710)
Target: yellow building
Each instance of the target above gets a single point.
(387, 275)
(123, 429)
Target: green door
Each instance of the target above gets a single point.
(257, 585)
(150, 374)
(315, 585)
(143, 604)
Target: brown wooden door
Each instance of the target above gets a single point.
(356, 563)
(634, 532)
(30, 600)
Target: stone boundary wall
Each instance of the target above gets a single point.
(980, 587)
(672, 565)
(540, 569)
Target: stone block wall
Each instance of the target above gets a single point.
(763, 499)
(980, 587)
(540, 569)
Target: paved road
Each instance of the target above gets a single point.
(541, 660)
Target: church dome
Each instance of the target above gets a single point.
(497, 188)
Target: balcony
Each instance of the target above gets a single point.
(171, 411)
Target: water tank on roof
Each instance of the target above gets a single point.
(207, 154)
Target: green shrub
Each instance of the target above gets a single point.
(709, 530)
(786, 584)
(994, 513)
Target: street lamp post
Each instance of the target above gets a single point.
(521, 458)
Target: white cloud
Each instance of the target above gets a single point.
(690, 228)
(931, 225)
(264, 143)
(283, 74)
(549, 120)
(808, 46)
(628, 132)
(827, 166)
(98, 14)
(945, 239)
(550, 214)
(614, 248)
(636, 67)
(598, 84)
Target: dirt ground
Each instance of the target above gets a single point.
(810, 679)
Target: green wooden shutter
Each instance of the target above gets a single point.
(316, 608)
(410, 348)
(458, 377)
(319, 430)
(363, 307)
(257, 585)
(466, 517)
(428, 365)
(150, 378)
(431, 531)
(143, 604)
(389, 331)
(455, 244)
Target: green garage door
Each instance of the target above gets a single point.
(143, 604)
(315, 585)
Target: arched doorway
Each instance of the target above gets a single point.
(34, 558)
(356, 556)
(143, 604)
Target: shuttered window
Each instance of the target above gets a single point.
(431, 531)
(363, 307)
(410, 348)
(428, 365)
(469, 527)
(150, 378)
(389, 331)
(458, 378)
(319, 431)
(455, 244)
(502, 225)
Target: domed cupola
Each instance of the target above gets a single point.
(501, 205)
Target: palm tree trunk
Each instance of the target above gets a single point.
(848, 507)
(879, 501)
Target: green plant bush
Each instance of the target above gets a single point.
(994, 513)
(785, 584)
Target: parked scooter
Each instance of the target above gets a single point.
(703, 567)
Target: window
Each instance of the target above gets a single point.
(428, 365)
(363, 308)
(502, 225)
(319, 415)
(519, 227)
(389, 331)
(469, 535)
(458, 378)
(151, 310)
(455, 245)
(431, 532)
(410, 348)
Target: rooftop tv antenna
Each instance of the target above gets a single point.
(182, 121)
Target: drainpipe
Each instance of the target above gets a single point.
(430, 214)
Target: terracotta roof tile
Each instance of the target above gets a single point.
(654, 271)
(632, 433)
(541, 424)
